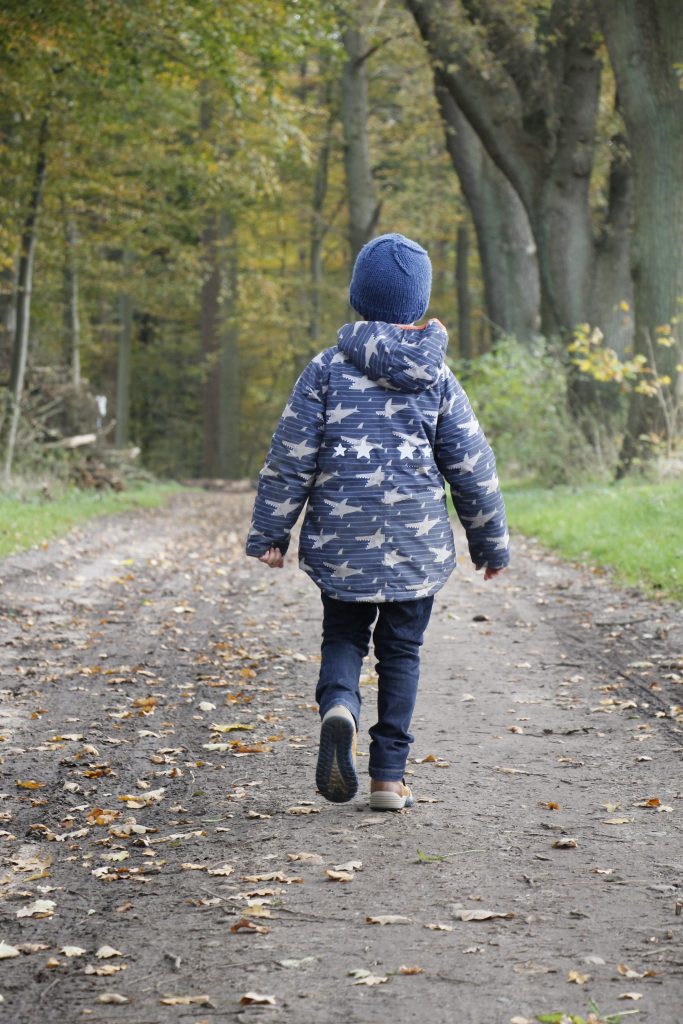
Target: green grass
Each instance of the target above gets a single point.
(27, 521)
(634, 528)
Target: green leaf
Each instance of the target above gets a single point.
(431, 858)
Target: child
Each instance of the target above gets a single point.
(372, 427)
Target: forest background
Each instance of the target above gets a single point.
(185, 184)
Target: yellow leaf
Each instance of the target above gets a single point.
(185, 1001)
(577, 977)
(410, 970)
(30, 784)
(339, 876)
(232, 727)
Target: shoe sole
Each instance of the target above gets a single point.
(387, 801)
(335, 774)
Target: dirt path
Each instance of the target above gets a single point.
(548, 687)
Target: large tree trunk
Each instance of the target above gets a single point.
(363, 208)
(72, 327)
(533, 104)
(229, 447)
(645, 44)
(318, 231)
(24, 288)
(506, 246)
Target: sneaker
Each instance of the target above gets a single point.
(336, 770)
(391, 800)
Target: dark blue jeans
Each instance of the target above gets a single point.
(397, 637)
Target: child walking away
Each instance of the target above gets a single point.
(373, 426)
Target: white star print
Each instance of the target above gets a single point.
(362, 447)
(394, 496)
(282, 508)
(468, 463)
(416, 371)
(393, 558)
(300, 450)
(322, 538)
(481, 519)
(501, 543)
(338, 414)
(390, 409)
(471, 426)
(289, 413)
(339, 450)
(421, 589)
(490, 485)
(268, 470)
(424, 526)
(341, 508)
(446, 407)
(438, 493)
(322, 478)
(341, 572)
(371, 346)
(374, 479)
(441, 554)
(414, 439)
(387, 384)
(407, 451)
(361, 383)
(374, 540)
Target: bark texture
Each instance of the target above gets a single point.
(645, 43)
(506, 245)
(363, 207)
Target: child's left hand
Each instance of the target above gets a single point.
(489, 574)
(273, 558)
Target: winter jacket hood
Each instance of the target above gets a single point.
(399, 358)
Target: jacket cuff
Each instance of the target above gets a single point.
(258, 546)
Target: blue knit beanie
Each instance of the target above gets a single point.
(391, 281)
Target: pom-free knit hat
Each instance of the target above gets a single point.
(391, 280)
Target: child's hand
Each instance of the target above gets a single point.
(273, 558)
(490, 573)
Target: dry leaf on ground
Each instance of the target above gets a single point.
(437, 927)
(256, 999)
(351, 865)
(72, 951)
(339, 876)
(372, 979)
(224, 870)
(481, 915)
(7, 951)
(630, 995)
(577, 977)
(410, 970)
(303, 810)
(306, 858)
(113, 998)
(39, 909)
(388, 919)
(565, 843)
(245, 925)
(185, 1001)
(104, 952)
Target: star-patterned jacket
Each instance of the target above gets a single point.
(370, 431)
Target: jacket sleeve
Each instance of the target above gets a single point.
(464, 457)
(289, 470)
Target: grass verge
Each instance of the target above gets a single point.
(25, 522)
(634, 528)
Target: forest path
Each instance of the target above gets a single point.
(545, 687)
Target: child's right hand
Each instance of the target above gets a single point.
(273, 558)
(489, 574)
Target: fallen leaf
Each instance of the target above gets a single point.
(297, 963)
(72, 951)
(652, 801)
(245, 925)
(233, 727)
(39, 908)
(481, 915)
(564, 843)
(105, 952)
(467, 697)
(410, 970)
(628, 972)
(263, 817)
(7, 952)
(439, 927)
(306, 858)
(611, 807)
(577, 977)
(30, 784)
(101, 816)
(617, 821)
(103, 970)
(550, 805)
(388, 919)
(303, 810)
(112, 997)
(351, 865)
(256, 999)
(185, 1001)
(372, 979)
(272, 876)
(224, 870)
(138, 800)
(192, 867)
(630, 995)
(339, 876)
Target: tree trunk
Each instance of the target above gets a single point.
(318, 232)
(462, 284)
(24, 288)
(533, 104)
(506, 246)
(645, 44)
(363, 208)
(72, 328)
(125, 345)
